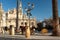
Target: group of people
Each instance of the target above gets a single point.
(23, 28)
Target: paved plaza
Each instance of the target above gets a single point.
(16, 37)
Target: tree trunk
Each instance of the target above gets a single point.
(55, 18)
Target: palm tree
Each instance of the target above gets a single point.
(55, 17)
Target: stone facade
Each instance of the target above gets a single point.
(22, 18)
(2, 18)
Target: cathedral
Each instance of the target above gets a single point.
(22, 18)
(9, 18)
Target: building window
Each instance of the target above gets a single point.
(25, 23)
(21, 23)
(32, 23)
(9, 21)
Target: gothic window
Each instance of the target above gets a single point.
(25, 23)
(9, 21)
(32, 23)
(21, 23)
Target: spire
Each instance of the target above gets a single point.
(0, 5)
(20, 7)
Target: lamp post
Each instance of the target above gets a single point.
(28, 10)
(17, 17)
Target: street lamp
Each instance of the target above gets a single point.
(28, 10)
(17, 16)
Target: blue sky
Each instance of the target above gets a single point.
(42, 9)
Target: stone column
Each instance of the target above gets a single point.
(55, 17)
(12, 31)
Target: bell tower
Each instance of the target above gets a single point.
(1, 11)
(0, 6)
